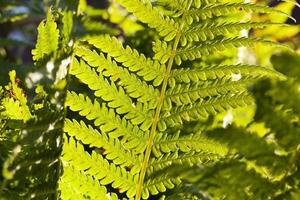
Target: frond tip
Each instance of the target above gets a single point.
(150, 15)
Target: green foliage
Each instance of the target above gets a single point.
(32, 131)
(147, 97)
(268, 162)
(26, 124)
(47, 41)
(141, 121)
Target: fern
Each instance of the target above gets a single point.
(32, 122)
(83, 186)
(223, 9)
(26, 124)
(139, 102)
(47, 41)
(212, 30)
(141, 122)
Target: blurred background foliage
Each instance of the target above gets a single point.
(264, 139)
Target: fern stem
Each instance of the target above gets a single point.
(158, 108)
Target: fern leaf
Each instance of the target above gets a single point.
(13, 109)
(47, 41)
(208, 30)
(67, 21)
(202, 109)
(108, 121)
(162, 51)
(87, 135)
(76, 184)
(195, 75)
(217, 45)
(116, 97)
(96, 166)
(146, 13)
(140, 100)
(159, 184)
(218, 83)
(183, 94)
(217, 10)
(192, 142)
(132, 84)
(113, 148)
(186, 159)
(135, 62)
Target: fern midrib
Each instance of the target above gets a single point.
(159, 107)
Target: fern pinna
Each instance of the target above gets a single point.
(140, 103)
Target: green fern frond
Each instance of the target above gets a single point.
(67, 26)
(195, 75)
(99, 168)
(16, 106)
(13, 109)
(208, 30)
(146, 13)
(192, 142)
(113, 148)
(87, 135)
(186, 159)
(116, 97)
(140, 101)
(145, 67)
(76, 184)
(162, 51)
(159, 184)
(132, 84)
(190, 85)
(108, 121)
(222, 9)
(202, 109)
(183, 94)
(30, 140)
(204, 49)
(196, 50)
(47, 41)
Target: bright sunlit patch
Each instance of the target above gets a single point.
(227, 120)
(62, 69)
(33, 78)
(236, 77)
(51, 127)
(70, 44)
(50, 66)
